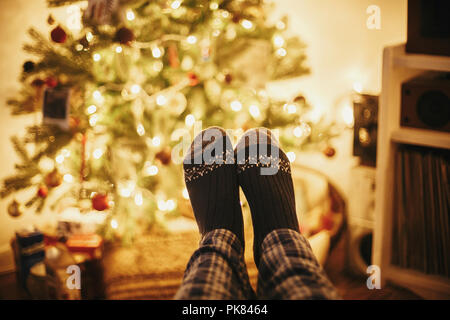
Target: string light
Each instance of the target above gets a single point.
(214, 6)
(185, 194)
(135, 88)
(65, 153)
(280, 25)
(59, 159)
(97, 95)
(278, 41)
(161, 100)
(68, 178)
(156, 141)
(162, 205)
(138, 199)
(281, 52)
(93, 120)
(96, 57)
(291, 156)
(97, 154)
(190, 120)
(176, 4)
(118, 49)
(191, 39)
(130, 15)
(290, 108)
(89, 36)
(114, 224)
(91, 109)
(247, 24)
(235, 105)
(170, 204)
(254, 111)
(126, 190)
(140, 129)
(156, 52)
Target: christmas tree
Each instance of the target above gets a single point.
(116, 99)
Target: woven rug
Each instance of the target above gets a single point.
(153, 267)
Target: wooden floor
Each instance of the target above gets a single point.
(349, 286)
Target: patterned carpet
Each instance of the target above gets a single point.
(153, 267)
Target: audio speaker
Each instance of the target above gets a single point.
(365, 112)
(426, 102)
(428, 27)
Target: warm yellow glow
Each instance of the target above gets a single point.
(246, 24)
(97, 95)
(161, 100)
(162, 205)
(138, 199)
(156, 52)
(278, 41)
(214, 6)
(298, 132)
(281, 52)
(156, 141)
(290, 108)
(280, 25)
(65, 152)
(114, 224)
(46, 164)
(135, 88)
(176, 4)
(140, 129)
(170, 204)
(96, 57)
(191, 39)
(130, 15)
(118, 49)
(185, 194)
(254, 111)
(97, 154)
(93, 120)
(190, 120)
(68, 178)
(151, 170)
(126, 190)
(291, 156)
(236, 105)
(347, 115)
(357, 87)
(59, 159)
(89, 36)
(79, 47)
(91, 109)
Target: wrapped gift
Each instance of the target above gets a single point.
(28, 248)
(89, 244)
(72, 222)
(58, 260)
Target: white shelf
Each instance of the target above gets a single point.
(420, 61)
(398, 67)
(421, 137)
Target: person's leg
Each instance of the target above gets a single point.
(286, 264)
(217, 269)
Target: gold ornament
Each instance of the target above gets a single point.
(14, 209)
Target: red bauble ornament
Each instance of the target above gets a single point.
(329, 152)
(164, 156)
(42, 192)
(53, 179)
(58, 35)
(100, 202)
(51, 82)
(193, 79)
(124, 35)
(228, 78)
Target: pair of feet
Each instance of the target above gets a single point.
(214, 171)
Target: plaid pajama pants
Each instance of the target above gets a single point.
(287, 269)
